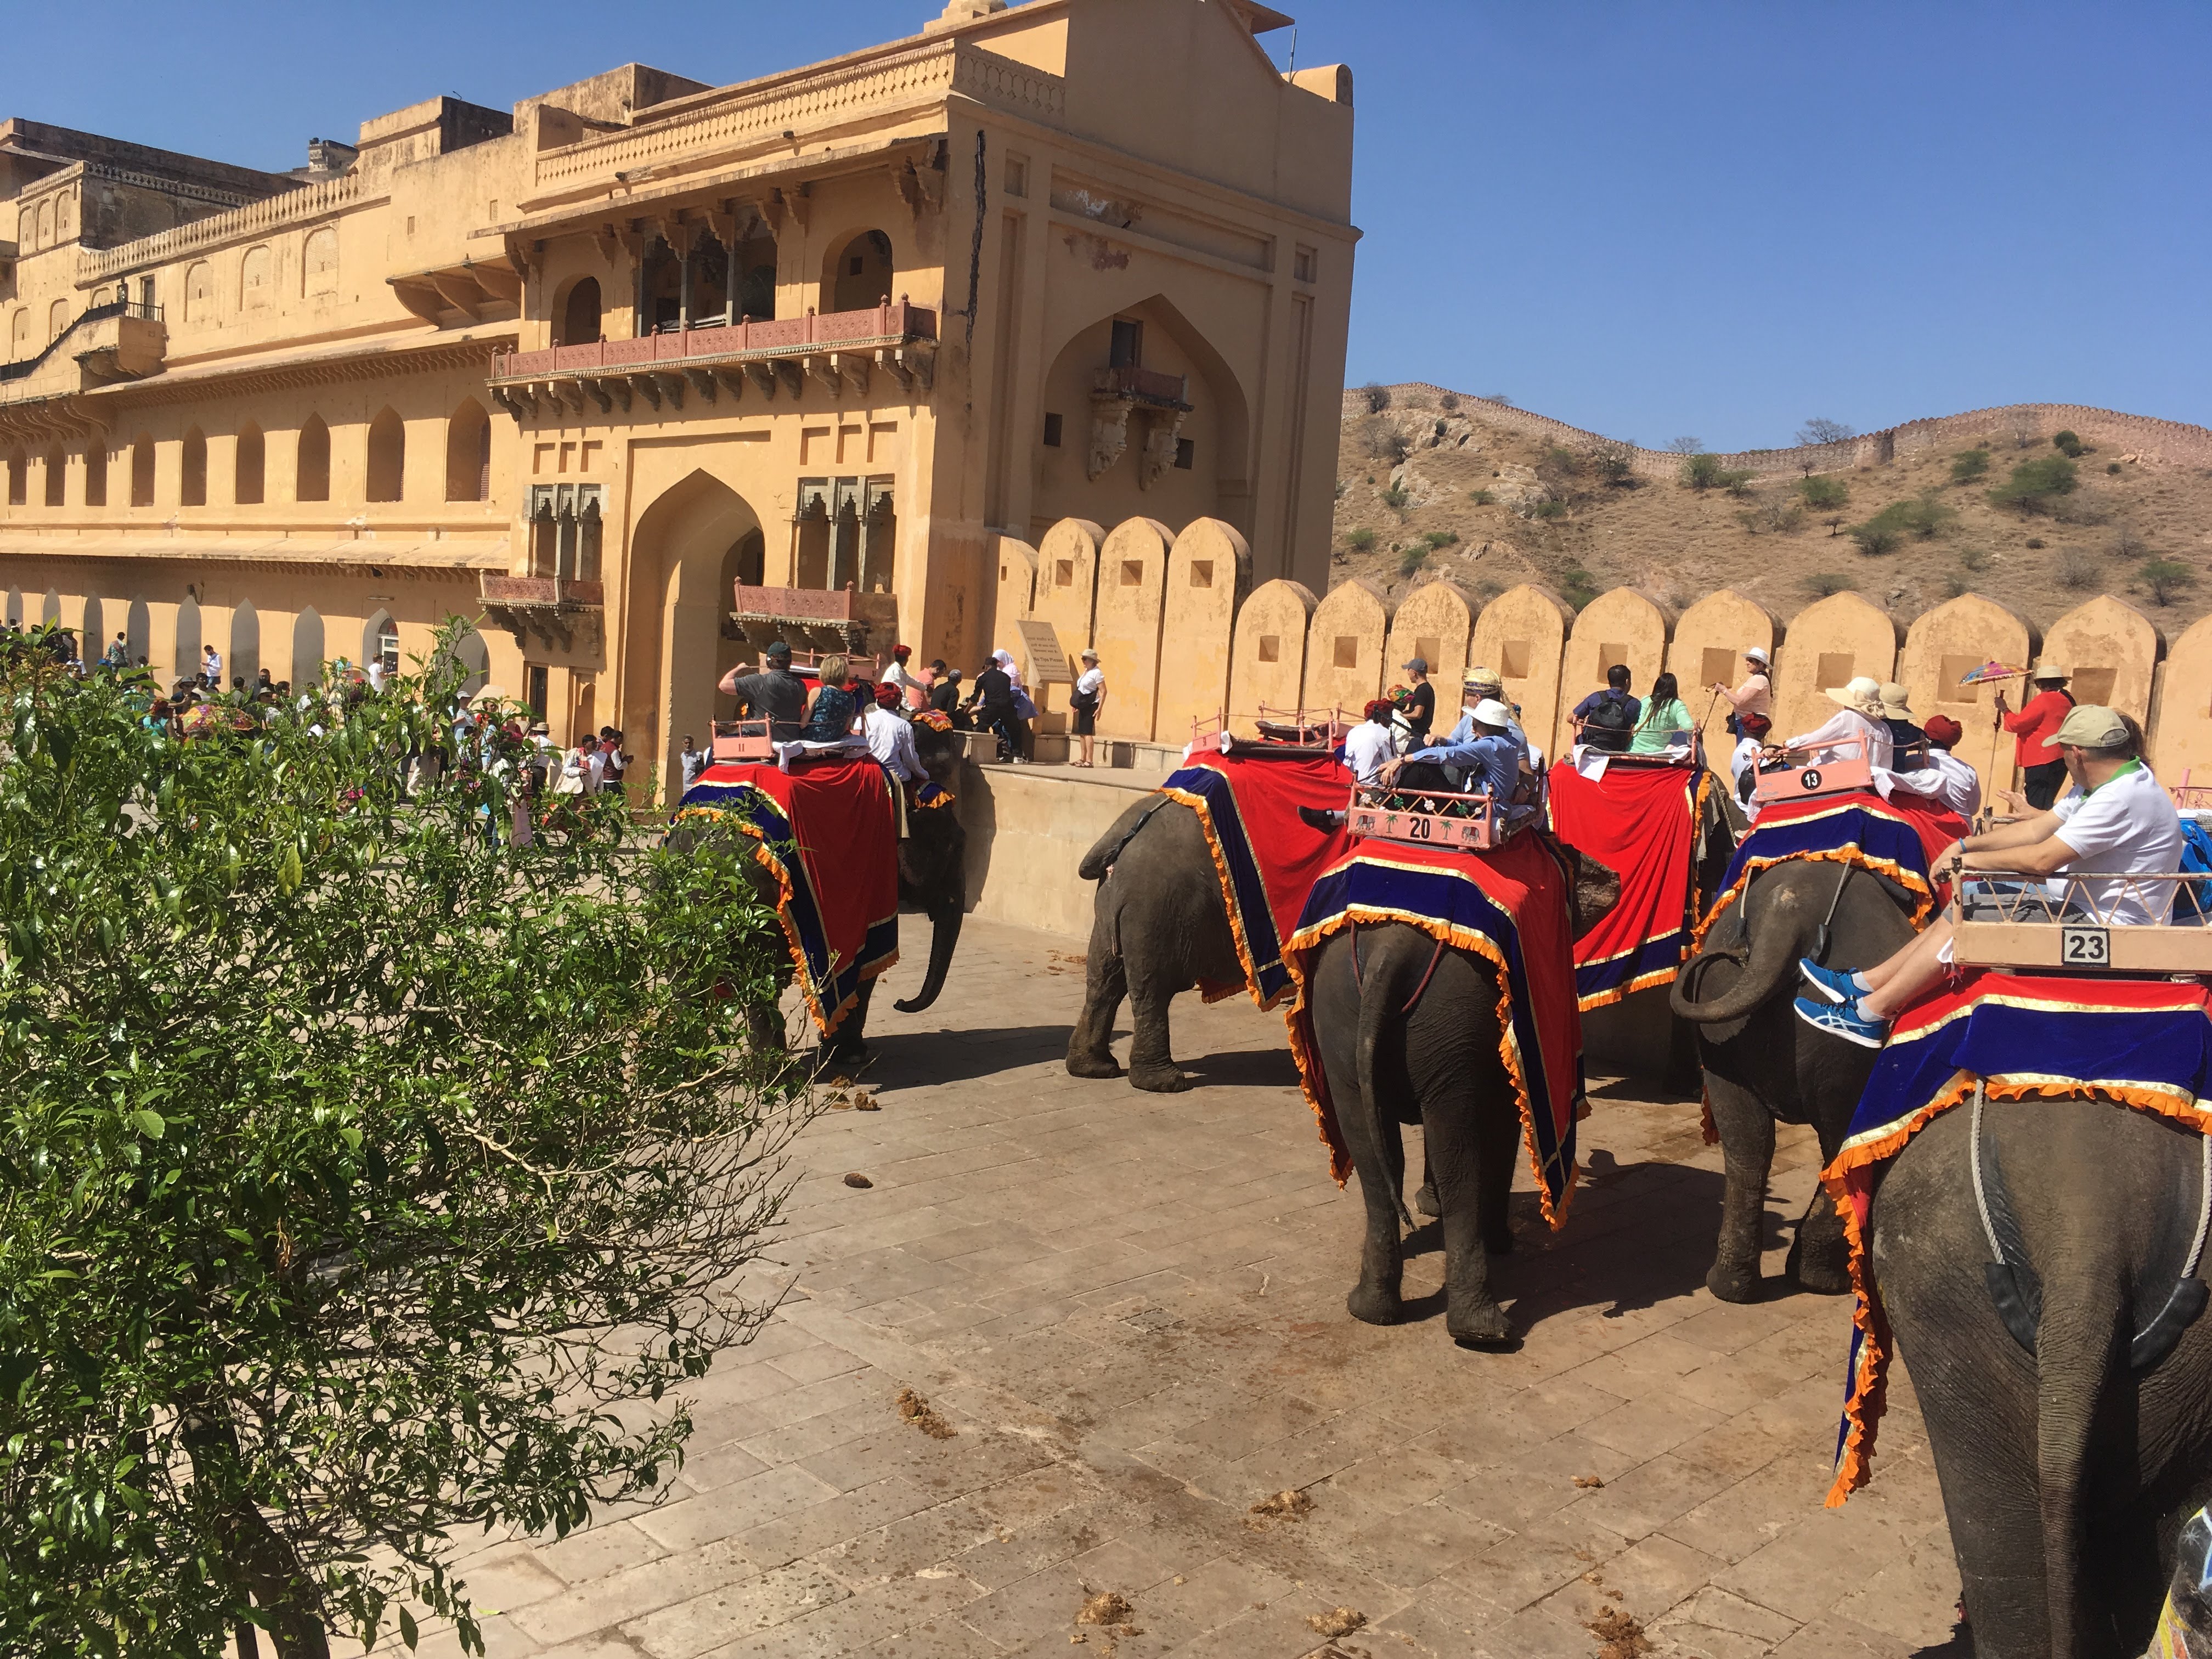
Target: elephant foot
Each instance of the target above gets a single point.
(1374, 1304)
(1161, 1080)
(1824, 1269)
(1732, 1284)
(1476, 1321)
(1426, 1200)
(1100, 1064)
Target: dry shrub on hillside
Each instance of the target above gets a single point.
(1823, 583)
(2076, 570)
(2167, 579)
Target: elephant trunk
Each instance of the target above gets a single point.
(943, 935)
(1775, 947)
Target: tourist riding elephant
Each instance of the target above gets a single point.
(1763, 1065)
(2069, 1466)
(1408, 1034)
(932, 876)
(1159, 926)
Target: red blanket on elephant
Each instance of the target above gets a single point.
(2145, 1043)
(1513, 908)
(1898, 839)
(1641, 822)
(828, 834)
(1266, 857)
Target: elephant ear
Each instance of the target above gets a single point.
(1596, 891)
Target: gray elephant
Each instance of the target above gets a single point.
(2068, 1466)
(1407, 1033)
(931, 876)
(1764, 1065)
(1159, 927)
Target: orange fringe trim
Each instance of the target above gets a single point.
(768, 860)
(1923, 896)
(1508, 1046)
(1199, 805)
(1869, 1382)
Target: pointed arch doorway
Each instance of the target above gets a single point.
(675, 606)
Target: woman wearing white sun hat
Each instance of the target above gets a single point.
(1859, 721)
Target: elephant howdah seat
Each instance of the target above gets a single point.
(2067, 923)
(1284, 733)
(1646, 822)
(743, 740)
(826, 835)
(1830, 769)
(1467, 822)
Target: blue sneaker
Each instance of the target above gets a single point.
(1827, 982)
(1845, 1020)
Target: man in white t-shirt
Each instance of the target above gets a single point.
(2118, 822)
(1941, 776)
(1371, 744)
(911, 690)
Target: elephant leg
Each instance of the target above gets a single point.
(1747, 1131)
(1152, 1060)
(1820, 1255)
(1106, 982)
(1471, 1132)
(1377, 1148)
(849, 1048)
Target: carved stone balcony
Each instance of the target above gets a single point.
(1114, 392)
(838, 349)
(566, 613)
(853, 619)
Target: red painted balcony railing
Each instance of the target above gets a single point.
(546, 592)
(889, 324)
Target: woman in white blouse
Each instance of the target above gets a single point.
(1090, 697)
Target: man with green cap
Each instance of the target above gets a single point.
(2116, 821)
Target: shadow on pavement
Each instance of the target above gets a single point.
(908, 1058)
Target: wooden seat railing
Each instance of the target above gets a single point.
(2071, 922)
(1829, 768)
(1468, 822)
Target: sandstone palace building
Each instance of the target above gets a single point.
(643, 369)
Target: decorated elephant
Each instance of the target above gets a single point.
(2039, 1277)
(1159, 927)
(931, 875)
(1764, 1065)
(1406, 1029)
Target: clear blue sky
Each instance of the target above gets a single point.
(1653, 220)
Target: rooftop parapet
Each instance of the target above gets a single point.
(785, 110)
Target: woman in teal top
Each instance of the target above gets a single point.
(1664, 724)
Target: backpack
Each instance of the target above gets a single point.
(2192, 902)
(1607, 727)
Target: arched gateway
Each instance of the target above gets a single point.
(674, 603)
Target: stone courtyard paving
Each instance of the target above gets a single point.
(1129, 1310)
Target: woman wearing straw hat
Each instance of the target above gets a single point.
(2035, 733)
(1859, 721)
(1755, 695)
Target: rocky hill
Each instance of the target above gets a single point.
(1434, 484)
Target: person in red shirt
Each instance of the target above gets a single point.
(2034, 728)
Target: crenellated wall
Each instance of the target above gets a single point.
(1167, 656)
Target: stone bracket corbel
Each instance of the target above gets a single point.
(823, 368)
(1109, 434)
(1164, 427)
(794, 380)
(764, 377)
(702, 382)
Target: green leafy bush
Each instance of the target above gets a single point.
(1548, 510)
(1396, 498)
(1483, 497)
(2067, 443)
(367, 1177)
(1360, 539)
(2167, 579)
(1577, 586)
(1825, 582)
(1413, 558)
(1969, 464)
(1440, 538)
(2035, 486)
(1824, 491)
(1737, 483)
(1377, 396)
(1701, 470)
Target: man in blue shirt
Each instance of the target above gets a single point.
(1487, 758)
(1610, 712)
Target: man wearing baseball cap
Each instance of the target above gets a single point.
(2118, 821)
(1420, 704)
